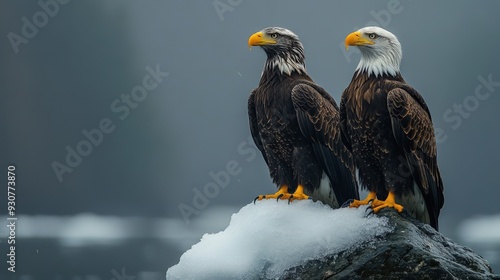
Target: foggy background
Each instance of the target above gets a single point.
(117, 213)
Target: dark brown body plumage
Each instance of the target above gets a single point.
(296, 125)
(388, 128)
(278, 130)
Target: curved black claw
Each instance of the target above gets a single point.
(290, 199)
(255, 199)
(347, 203)
(279, 196)
(370, 212)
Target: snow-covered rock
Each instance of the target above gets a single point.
(270, 237)
(307, 240)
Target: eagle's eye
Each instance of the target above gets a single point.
(372, 36)
(274, 35)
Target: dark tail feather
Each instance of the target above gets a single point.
(343, 181)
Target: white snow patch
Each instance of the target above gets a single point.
(276, 236)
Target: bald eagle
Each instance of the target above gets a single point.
(296, 125)
(388, 127)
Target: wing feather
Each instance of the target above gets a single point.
(319, 121)
(254, 126)
(413, 130)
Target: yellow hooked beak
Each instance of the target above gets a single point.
(356, 39)
(260, 39)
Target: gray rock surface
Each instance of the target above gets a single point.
(411, 251)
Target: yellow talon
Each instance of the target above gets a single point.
(298, 194)
(388, 202)
(283, 194)
(280, 194)
(372, 197)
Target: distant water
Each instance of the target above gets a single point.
(133, 259)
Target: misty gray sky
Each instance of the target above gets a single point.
(166, 83)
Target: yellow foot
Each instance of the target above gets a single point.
(388, 202)
(372, 197)
(298, 194)
(281, 193)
